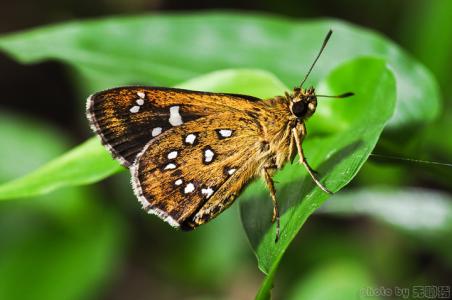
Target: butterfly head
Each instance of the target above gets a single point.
(303, 103)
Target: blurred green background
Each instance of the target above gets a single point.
(390, 228)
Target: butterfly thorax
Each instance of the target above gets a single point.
(280, 116)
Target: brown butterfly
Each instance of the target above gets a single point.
(191, 153)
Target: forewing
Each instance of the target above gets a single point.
(182, 169)
(127, 118)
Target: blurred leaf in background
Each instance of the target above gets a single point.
(147, 50)
(426, 31)
(335, 280)
(59, 246)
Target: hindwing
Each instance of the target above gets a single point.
(190, 173)
(127, 118)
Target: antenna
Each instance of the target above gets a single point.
(344, 95)
(325, 41)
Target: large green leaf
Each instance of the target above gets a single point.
(165, 50)
(337, 156)
(84, 164)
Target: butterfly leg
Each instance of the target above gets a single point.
(303, 160)
(271, 188)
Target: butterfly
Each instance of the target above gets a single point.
(191, 153)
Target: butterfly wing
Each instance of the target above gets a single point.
(198, 163)
(127, 118)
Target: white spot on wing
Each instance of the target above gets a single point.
(175, 118)
(208, 155)
(190, 139)
(225, 132)
(156, 131)
(178, 182)
(141, 94)
(189, 188)
(140, 101)
(208, 192)
(231, 171)
(170, 166)
(135, 109)
(172, 154)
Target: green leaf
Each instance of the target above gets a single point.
(414, 210)
(90, 162)
(336, 156)
(165, 50)
(30, 143)
(85, 164)
(423, 214)
(53, 262)
(61, 245)
(257, 83)
(336, 280)
(427, 29)
(18, 133)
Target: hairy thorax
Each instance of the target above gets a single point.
(276, 122)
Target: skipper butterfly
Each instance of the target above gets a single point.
(191, 153)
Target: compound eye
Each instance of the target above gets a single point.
(299, 109)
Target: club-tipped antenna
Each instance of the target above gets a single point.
(344, 95)
(325, 41)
